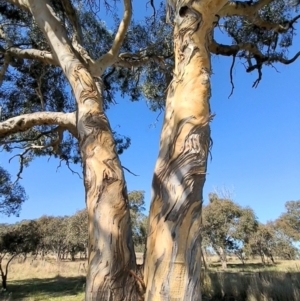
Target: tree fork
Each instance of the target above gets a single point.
(173, 258)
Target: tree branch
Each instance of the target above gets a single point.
(32, 54)
(252, 52)
(133, 60)
(275, 27)
(72, 16)
(110, 57)
(9, 261)
(242, 8)
(24, 122)
(77, 33)
(3, 69)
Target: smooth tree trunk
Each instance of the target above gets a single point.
(110, 250)
(173, 258)
(223, 258)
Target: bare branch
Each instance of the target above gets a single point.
(72, 16)
(129, 171)
(242, 8)
(38, 90)
(231, 50)
(231, 75)
(69, 167)
(10, 141)
(24, 122)
(77, 33)
(110, 57)
(4, 68)
(33, 54)
(252, 51)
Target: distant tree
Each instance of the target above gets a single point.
(289, 222)
(16, 240)
(53, 232)
(284, 247)
(12, 195)
(263, 242)
(138, 218)
(227, 226)
(77, 233)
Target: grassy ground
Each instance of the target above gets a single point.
(64, 281)
(45, 280)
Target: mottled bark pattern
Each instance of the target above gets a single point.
(111, 253)
(173, 259)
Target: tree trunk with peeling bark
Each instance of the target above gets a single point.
(173, 259)
(111, 252)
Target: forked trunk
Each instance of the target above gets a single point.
(173, 259)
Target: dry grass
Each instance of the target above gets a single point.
(252, 281)
(64, 281)
(45, 280)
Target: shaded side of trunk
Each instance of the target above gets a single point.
(173, 259)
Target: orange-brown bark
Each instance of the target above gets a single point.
(173, 259)
(111, 253)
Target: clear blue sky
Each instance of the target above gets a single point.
(256, 150)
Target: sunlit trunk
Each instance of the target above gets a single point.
(173, 259)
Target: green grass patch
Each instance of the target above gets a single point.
(56, 289)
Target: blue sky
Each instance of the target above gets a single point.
(255, 155)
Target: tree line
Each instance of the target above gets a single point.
(61, 236)
(227, 230)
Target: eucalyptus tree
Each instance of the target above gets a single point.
(261, 33)
(58, 26)
(227, 227)
(46, 45)
(15, 240)
(289, 221)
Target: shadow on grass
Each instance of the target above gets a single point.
(258, 286)
(246, 266)
(40, 289)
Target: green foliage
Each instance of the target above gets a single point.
(227, 227)
(139, 220)
(15, 240)
(12, 195)
(20, 239)
(289, 222)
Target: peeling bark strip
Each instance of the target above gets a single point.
(173, 259)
